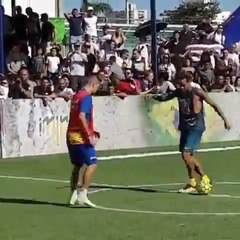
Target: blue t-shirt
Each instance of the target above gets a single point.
(86, 107)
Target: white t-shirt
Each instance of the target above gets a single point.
(165, 86)
(4, 92)
(219, 38)
(91, 25)
(53, 64)
(171, 70)
(195, 85)
(77, 67)
(68, 91)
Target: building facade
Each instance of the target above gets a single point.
(54, 8)
(202, 1)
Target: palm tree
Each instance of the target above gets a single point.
(100, 7)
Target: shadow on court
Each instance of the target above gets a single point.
(134, 189)
(23, 201)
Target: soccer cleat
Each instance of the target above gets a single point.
(83, 200)
(187, 189)
(190, 187)
(73, 198)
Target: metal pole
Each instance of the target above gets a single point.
(154, 40)
(2, 58)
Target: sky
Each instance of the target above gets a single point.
(226, 5)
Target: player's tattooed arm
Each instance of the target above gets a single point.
(165, 96)
(203, 95)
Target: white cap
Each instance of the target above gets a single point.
(90, 8)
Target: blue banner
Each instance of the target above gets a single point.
(2, 61)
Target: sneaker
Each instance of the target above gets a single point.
(83, 200)
(73, 198)
(187, 189)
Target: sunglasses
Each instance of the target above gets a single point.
(128, 73)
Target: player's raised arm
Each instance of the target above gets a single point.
(215, 106)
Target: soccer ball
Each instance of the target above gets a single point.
(204, 188)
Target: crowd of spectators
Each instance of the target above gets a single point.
(36, 67)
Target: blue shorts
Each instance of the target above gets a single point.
(81, 154)
(190, 140)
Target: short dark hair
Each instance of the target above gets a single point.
(113, 59)
(184, 75)
(45, 78)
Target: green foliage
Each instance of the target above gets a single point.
(101, 7)
(192, 13)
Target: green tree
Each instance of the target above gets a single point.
(192, 13)
(100, 7)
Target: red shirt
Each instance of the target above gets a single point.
(81, 102)
(131, 87)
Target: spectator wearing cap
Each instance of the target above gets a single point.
(90, 21)
(76, 63)
(4, 87)
(23, 87)
(76, 27)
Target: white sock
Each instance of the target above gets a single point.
(83, 192)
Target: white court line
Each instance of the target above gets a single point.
(224, 196)
(99, 190)
(140, 211)
(108, 185)
(154, 154)
(169, 213)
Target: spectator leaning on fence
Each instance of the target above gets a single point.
(44, 91)
(63, 91)
(23, 86)
(4, 87)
